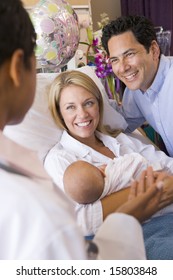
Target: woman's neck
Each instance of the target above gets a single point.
(96, 144)
(91, 141)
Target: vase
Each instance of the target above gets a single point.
(110, 85)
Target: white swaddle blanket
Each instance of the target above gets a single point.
(120, 171)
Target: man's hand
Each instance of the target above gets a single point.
(167, 196)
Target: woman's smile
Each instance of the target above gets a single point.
(84, 124)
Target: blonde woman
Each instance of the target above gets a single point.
(77, 106)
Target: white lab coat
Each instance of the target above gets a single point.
(37, 221)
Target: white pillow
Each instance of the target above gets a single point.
(38, 130)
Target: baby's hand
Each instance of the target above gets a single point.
(102, 168)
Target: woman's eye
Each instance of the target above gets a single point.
(70, 107)
(89, 103)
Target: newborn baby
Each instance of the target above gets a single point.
(86, 183)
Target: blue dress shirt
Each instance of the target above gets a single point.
(155, 105)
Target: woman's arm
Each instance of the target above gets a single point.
(113, 201)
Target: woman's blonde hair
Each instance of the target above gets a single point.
(77, 78)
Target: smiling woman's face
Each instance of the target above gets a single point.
(80, 111)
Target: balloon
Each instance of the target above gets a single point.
(56, 25)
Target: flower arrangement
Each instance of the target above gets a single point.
(97, 57)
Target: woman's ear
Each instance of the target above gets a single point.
(16, 67)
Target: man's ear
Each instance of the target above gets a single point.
(155, 49)
(16, 67)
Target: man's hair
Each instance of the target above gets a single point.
(16, 31)
(141, 27)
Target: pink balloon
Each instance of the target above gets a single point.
(56, 25)
(47, 26)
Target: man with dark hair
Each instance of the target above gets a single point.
(136, 59)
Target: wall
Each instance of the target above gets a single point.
(111, 7)
(78, 2)
(71, 2)
(29, 2)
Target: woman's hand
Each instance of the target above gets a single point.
(145, 195)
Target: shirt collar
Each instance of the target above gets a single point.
(160, 75)
(72, 145)
(110, 142)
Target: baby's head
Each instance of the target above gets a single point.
(83, 182)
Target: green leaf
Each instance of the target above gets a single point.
(84, 43)
(90, 35)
